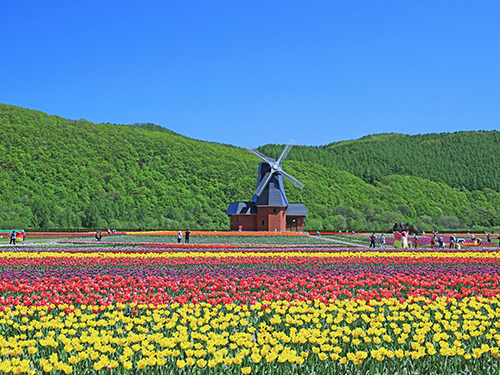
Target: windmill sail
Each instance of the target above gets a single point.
(260, 155)
(293, 180)
(263, 184)
(285, 152)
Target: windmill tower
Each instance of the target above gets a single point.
(269, 209)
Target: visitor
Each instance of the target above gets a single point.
(382, 241)
(489, 237)
(109, 231)
(415, 238)
(373, 238)
(187, 236)
(433, 240)
(179, 237)
(13, 236)
(452, 242)
(441, 242)
(97, 235)
(318, 233)
(403, 240)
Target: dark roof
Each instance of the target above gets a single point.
(296, 209)
(273, 194)
(242, 208)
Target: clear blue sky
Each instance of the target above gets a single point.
(257, 72)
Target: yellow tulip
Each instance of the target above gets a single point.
(322, 356)
(256, 357)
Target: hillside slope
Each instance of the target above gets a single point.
(466, 160)
(59, 173)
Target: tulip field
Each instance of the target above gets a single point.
(248, 309)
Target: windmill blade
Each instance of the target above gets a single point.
(285, 152)
(260, 155)
(263, 183)
(293, 180)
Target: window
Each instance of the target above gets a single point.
(263, 222)
(274, 210)
(283, 214)
(236, 219)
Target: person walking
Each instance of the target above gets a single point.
(13, 237)
(179, 237)
(382, 241)
(415, 238)
(373, 238)
(188, 232)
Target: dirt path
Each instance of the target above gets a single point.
(343, 242)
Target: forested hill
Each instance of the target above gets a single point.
(60, 173)
(467, 160)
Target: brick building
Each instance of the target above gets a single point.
(269, 210)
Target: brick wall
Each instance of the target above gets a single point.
(243, 222)
(271, 218)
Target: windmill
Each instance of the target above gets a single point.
(269, 210)
(270, 178)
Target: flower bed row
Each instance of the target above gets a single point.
(241, 289)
